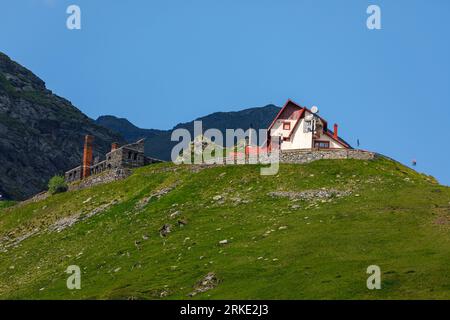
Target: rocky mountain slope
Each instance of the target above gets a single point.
(41, 134)
(226, 232)
(158, 143)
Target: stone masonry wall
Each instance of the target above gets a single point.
(305, 156)
(104, 177)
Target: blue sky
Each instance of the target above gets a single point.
(159, 63)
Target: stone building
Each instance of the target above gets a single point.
(128, 156)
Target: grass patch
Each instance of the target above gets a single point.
(277, 248)
(6, 204)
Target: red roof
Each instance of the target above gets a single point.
(302, 114)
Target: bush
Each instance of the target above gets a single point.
(57, 184)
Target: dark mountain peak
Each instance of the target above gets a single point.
(126, 129)
(257, 117)
(115, 123)
(18, 76)
(41, 134)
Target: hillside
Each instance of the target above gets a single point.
(158, 143)
(41, 134)
(281, 243)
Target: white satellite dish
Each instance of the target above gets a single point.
(314, 109)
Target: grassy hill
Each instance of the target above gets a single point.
(309, 232)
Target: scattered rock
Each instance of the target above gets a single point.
(164, 293)
(223, 242)
(209, 282)
(310, 195)
(67, 222)
(87, 200)
(165, 230)
(156, 195)
(182, 222)
(175, 214)
(64, 223)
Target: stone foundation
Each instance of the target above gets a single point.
(104, 177)
(305, 156)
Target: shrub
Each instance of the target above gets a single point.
(57, 184)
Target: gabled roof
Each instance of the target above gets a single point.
(281, 111)
(339, 139)
(302, 114)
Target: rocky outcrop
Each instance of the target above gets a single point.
(41, 134)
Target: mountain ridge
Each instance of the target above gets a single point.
(41, 133)
(158, 143)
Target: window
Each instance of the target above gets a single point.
(286, 126)
(308, 126)
(135, 156)
(321, 144)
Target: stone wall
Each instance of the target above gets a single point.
(74, 174)
(104, 177)
(305, 156)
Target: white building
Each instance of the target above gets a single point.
(299, 128)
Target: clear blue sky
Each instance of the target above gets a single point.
(159, 63)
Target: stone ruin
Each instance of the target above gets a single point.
(125, 157)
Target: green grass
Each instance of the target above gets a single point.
(395, 218)
(6, 204)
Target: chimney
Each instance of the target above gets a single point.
(87, 156)
(335, 133)
(114, 146)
